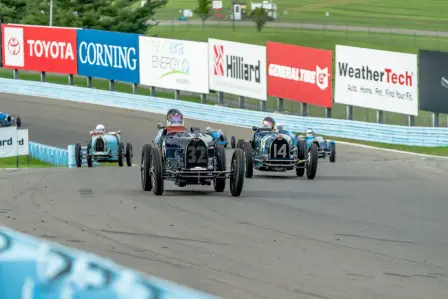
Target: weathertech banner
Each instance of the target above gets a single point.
(237, 68)
(433, 74)
(300, 74)
(39, 48)
(376, 79)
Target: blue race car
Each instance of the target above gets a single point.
(325, 147)
(271, 150)
(220, 137)
(104, 147)
(6, 120)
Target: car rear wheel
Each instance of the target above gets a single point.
(18, 122)
(157, 171)
(237, 172)
(145, 168)
(89, 155)
(220, 183)
(240, 143)
(232, 141)
(78, 155)
(333, 153)
(129, 154)
(249, 160)
(120, 154)
(301, 148)
(312, 162)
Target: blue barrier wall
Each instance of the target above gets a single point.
(421, 136)
(34, 268)
(48, 154)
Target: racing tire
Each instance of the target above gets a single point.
(333, 153)
(301, 148)
(157, 171)
(18, 122)
(145, 165)
(237, 172)
(78, 155)
(232, 142)
(219, 184)
(129, 154)
(249, 160)
(240, 144)
(88, 155)
(312, 163)
(120, 154)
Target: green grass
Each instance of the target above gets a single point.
(23, 163)
(409, 14)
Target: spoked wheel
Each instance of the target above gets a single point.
(129, 154)
(249, 163)
(220, 183)
(156, 171)
(145, 167)
(78, 155)
(89, 155)
(301, 144)
(120, 154)
(333, 153)
(312, 162)
(232, 141)
(237, 172)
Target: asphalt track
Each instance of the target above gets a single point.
(372, 225)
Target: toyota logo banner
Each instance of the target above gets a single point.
(375, 79)
(433, 74)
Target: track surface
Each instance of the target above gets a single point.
(372, 225)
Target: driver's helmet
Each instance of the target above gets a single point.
(279, 127)
(100, 129)
(208, 129)
(174, 118)
(309, 132)
(269, 122)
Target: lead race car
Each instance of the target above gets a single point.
(7, 120)
(188, 157)
(104, 147)
(324, 147)
(276, 151)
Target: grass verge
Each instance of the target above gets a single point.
(23, 163)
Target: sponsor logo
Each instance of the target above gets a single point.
(387, 75)
(108, 55)
(53, 49)
(14, 46)
(235, 66)
(6, 142)
(171, 59)
(319, 77)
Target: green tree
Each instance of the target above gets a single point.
(117, 15)
(204, 10)
(12, 11)
(260, 17)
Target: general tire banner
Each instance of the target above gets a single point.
(376, 79)
(174, 64)
(8, 142)
(237, 68)
(433, 74)
(300, 74)
(108, 55)
(39, 48)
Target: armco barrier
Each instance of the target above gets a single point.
(420, 136)
(48, 154)
(33, 268)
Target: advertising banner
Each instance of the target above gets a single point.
(8, 142)
(433, 76)
(174, 64)
(300, 74)
(108, 55)
(376, 79)
(237, 68)
(22, 141)
(39, 48)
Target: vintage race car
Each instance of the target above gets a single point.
(7, 120)
(324, 147)
(105, 148)
(220, 137)
(189, 157)
(271, 150)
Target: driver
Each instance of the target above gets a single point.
(268, 122)
(173, 118)
(309, 133)
(100, 130)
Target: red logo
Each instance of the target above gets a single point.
(300, 74)
(13, 46)
(45, 49)
(218, 58)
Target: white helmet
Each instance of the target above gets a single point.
(100, 128)
(208, 129)
(309, 132)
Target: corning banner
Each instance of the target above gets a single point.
(433, 75)
(23, 142)
(174, 64)
(237, 68)
(108, 55)
(39, 48)
(300, 74)
(8, 142)
(376, 79)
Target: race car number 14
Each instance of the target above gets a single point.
(279, 152)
